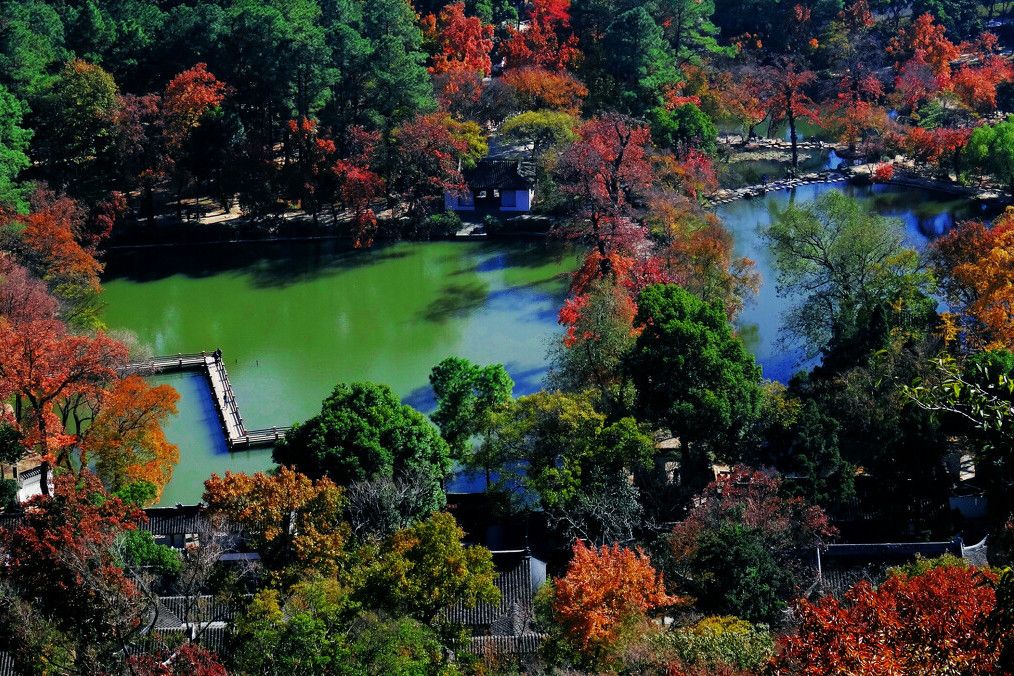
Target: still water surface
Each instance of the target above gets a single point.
(925, 215)
(294, 318)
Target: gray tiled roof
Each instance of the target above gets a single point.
(10, 520)
(212, 638)
(174, 520)
(845, 565)
(504, 174)
(525, 644)
(7, 664)
(518, 579)
(161, 520)
(204, 608)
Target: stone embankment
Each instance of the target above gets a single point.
(726, 195)
(862, 174)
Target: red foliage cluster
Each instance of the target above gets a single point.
(463, 42)
(42, 362)
(187, 98)
(63, 551)
(753, 499)
(924, 41)
(428, 154)
(932, 623)
(23, 298)
(883, 173)
(54, 231)
(544, 43)
(323, 178)
(934, 146)
(976, 83)
(189, 659)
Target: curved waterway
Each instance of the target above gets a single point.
(294, 318)
(926, 215)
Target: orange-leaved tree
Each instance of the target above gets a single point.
(125, 438)
(539, 88)
(933, 622)
(604, 590)
(289, 517)
(58, 250)
(187, 98)
(975, 264)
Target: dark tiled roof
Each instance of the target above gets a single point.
(977, 554)
(212, 638)
(519, 577)
(174, 520)
(845, 565)
(203, 608)
(7, 664)
(885, 551)
(499, 174)
(165, 618)
(161, 520)
(9, 521)
(525, 644)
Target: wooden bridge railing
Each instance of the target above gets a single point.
(229, 416)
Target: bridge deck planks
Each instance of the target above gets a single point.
(236, 434)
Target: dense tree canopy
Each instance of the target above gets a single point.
(692, 374)
(140, 121)
(363, 432)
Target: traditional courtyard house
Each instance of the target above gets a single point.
(495, 186)
(505, 630)
(840, 566)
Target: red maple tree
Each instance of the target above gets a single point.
(41, 363)
(935, 622)
(61, 556)
(545, 42)
(187, 98)
(463, 42)
(609, 173)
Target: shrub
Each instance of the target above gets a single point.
(8, 494)
(443, 224)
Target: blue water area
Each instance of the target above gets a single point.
(926, 215)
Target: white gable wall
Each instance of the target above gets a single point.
(521, 202)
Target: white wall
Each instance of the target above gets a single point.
(523, 201)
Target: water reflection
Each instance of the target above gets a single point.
(926, 215)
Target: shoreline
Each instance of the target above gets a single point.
(720, 197)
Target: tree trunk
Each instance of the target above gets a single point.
(793, 138)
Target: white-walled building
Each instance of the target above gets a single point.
(495, 186)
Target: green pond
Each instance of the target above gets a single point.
(294, 318)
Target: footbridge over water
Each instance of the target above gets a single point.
(237, 436)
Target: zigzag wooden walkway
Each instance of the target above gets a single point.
(237, 436)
